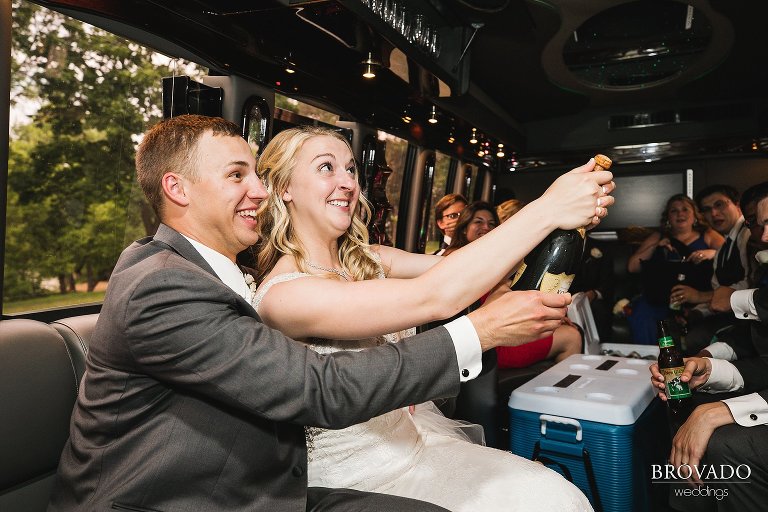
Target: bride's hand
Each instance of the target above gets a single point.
(578, 198)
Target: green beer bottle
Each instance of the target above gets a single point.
(671, 365)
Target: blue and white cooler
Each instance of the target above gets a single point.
(595, 419)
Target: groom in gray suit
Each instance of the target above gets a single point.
(189, 402)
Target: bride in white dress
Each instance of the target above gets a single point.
(322, 283)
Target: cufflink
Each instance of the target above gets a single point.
(753, 417)
(746, 315)
(465, 373)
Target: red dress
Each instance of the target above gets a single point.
(522, 356)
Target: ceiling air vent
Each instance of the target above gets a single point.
(643, 119)
(710, 113)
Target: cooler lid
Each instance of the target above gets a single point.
(604, 389)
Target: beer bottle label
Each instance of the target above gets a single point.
(666, 341)
(556, 283)
(675, 388)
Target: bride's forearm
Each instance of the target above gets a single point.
(471, 271)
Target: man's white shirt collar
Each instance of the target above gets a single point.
(227, 270)
(734, 233)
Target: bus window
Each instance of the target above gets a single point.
(395, 150)
(469, 182)
(439, 189)
(304, 109)
(81, 97)
(256, 123)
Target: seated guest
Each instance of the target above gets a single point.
(478, 219)
(447, 212)
(684, 236)
(720, 206)
(508, 208)
(594, 278)
(327, 286)
(757, 272)
(732, 342)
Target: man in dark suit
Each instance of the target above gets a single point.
(595, 279)
(732, 431)
(720, 206)
(189, 402)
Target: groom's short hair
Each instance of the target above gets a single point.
(171, 146)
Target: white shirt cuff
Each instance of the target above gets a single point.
(720, 350)
(748, 410)
(743, 304)
(724, 377)
(467, 343)
(598, 295)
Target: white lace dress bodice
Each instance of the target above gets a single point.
(424, 456)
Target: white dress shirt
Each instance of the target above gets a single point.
(748, 410)
(743, 304)
(447, 242)
(461, 330)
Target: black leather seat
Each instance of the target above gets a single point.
(483, 400)
(77, 332)
(38, 387)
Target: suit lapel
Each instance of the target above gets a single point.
(176, 241)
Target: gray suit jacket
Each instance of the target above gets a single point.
(190, 403)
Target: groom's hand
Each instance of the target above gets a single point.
(516, 317)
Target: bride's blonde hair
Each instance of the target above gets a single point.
(275, 167)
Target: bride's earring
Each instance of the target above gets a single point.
(286, 197)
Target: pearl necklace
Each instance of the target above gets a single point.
(341, 273)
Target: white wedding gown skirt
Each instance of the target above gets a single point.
(396, 453)
(426, 456)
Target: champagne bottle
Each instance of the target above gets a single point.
(551, 265)
(671, 366)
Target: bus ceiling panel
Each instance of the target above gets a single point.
(517, 70)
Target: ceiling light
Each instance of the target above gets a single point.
(406, 117)
(290, 66)
(473, 140)
(500, 152)
(369, 66)
(433, 117)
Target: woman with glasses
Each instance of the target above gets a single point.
(447, 211)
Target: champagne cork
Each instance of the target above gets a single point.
(602, 163)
